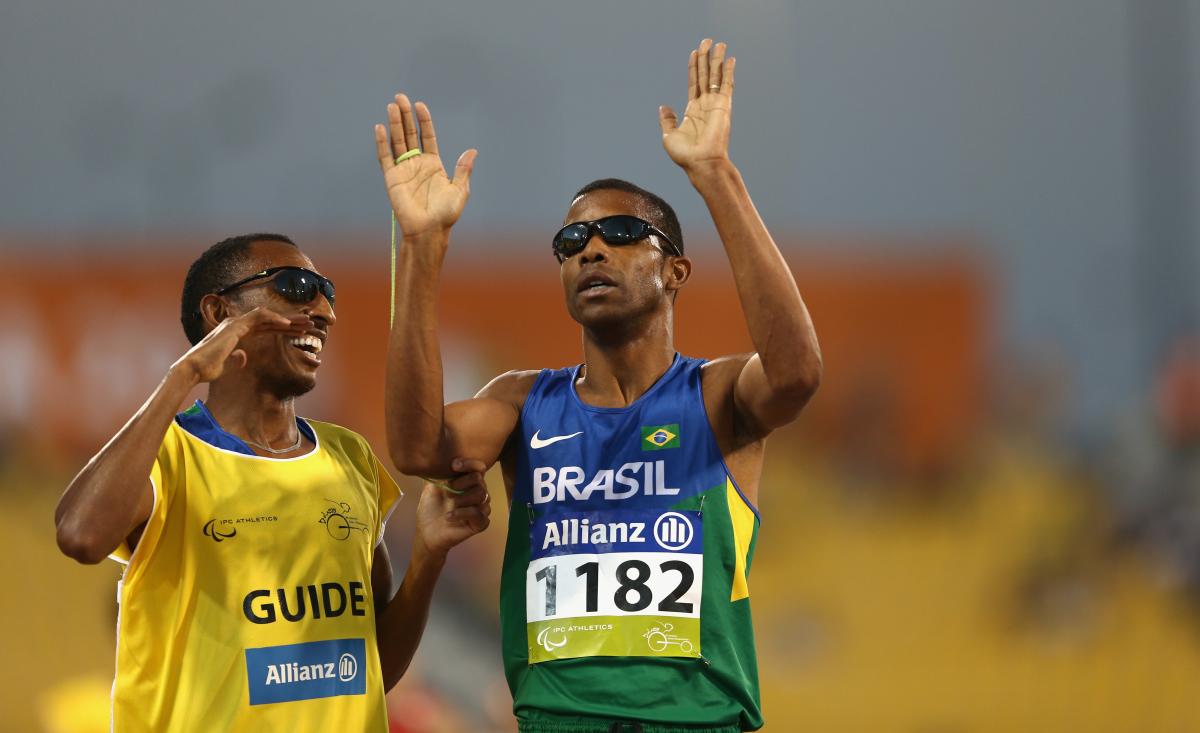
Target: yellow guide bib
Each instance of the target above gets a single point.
(247, 603)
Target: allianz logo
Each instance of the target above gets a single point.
(570, 482)
(344, 670)
(671, 530)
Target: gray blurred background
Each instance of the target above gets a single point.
(1061, 133)
(1051, 145)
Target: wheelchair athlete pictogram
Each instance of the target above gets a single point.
(658, 639)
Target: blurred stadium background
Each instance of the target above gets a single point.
(989, 518)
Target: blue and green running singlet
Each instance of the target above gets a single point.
(624, 593)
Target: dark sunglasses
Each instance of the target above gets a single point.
(615, 230)
(295, 284)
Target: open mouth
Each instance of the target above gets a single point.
(309, 347)
(595, 284)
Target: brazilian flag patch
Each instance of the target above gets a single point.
(660, 437)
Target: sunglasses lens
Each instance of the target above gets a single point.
(297, 286)
(570, 239)
(621, 229)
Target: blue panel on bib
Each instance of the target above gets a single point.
(615, 530)
(307, 671)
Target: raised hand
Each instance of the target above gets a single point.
(424, 199)
(218, 351)
(449, 513)
(703, 134)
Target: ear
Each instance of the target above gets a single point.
(214, 309)
(677, 272)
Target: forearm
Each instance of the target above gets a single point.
(780, 326)
(415, 413)
(400, 625)
(110, 496)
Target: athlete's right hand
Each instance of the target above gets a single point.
(218, 351)
(424, 199)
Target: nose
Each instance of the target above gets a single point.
(596, 250)
(320, 309)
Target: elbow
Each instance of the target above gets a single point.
(392, 677)
(79, 545)
(801, 385)
(811, 375)
(413, 457)
(412, 463)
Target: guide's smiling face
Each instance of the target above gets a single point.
(606, 284)
(285, 365)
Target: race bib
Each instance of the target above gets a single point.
(614, 583)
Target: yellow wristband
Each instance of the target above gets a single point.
(442, 485)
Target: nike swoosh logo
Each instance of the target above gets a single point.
(535, 442)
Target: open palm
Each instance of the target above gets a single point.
(423, 197)
(703, 134)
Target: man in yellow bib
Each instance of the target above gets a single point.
(257, 594)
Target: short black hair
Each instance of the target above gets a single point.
(659, 209)
(217, 267)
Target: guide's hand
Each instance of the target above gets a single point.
(218, 351)
(447, 517)
(424, 199)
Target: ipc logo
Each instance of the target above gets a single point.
(347, 667)
(673, 531)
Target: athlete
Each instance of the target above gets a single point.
(632, 477)
(257, 593)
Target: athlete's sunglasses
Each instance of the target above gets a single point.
(614, 230)
(295, 284)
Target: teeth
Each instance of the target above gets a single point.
(310, 341)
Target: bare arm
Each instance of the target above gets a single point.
(777, 381)
(112, 496)
(443, 520)
(423, 434)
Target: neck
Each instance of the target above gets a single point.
(252, 413)
(619, 368)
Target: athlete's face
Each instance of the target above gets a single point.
(606, 285)
(283, 365)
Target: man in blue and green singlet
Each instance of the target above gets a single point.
(631, 477)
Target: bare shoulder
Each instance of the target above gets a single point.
(511, 387)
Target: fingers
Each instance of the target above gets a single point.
(667, 120)
(467, 483)
(727, 77)
(702, 65)
(265, 319)
(463, 168)
(693, 76)
(474, 517)
(428, 136)
(468, 465)
(715, 67)
(478, 497)
(412, 139)
(396, 130)
(382, 150)
(472, 507)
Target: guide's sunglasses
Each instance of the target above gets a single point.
(295, 284)
(614, 230)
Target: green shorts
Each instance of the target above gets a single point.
(595, 725)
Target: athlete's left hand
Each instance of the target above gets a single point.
(702, 137)
(446, 518)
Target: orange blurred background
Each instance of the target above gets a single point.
(932, 556)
